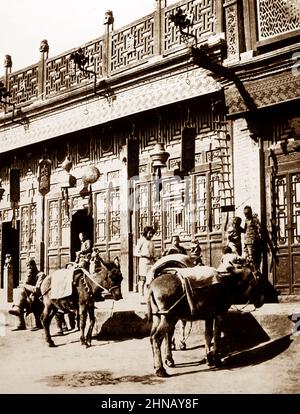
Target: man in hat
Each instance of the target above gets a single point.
(195, 253)
(175, 247)
(29, 296)
(252, 239)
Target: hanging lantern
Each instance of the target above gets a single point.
(67, 164)
(90, 175)
(159, 156)
(68, 180)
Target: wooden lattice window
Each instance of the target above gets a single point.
(215, 201)
(100, 216)
(114, 213)
(201, 204)
(277, 16)
(28, 227)
(65, 224)
(53, 235)
(296, 208)
(176, 207)
(281, 210)
(108, 215)
(142, 205)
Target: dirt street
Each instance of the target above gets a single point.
(27, 365)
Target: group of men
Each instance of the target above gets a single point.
(232, 251)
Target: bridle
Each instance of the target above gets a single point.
(104, 289)
(251, 284)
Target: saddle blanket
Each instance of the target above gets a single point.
(199, 276)
(61, 283)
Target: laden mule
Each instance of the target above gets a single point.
(172, 261)
(86, 290)
(169, 301)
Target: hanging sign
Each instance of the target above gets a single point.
(14, 181)
(188, 138)
(44, 175)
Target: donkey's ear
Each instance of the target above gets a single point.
(116, 261)
(102, 264)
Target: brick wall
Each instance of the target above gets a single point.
(246, 169)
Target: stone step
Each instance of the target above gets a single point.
(127, 319)
(270, 322)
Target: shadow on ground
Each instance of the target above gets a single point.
(80, 379)
(258, 355)
(122, 326)
(244, 358)
(241, 331)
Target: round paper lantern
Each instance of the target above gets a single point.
(90, 174)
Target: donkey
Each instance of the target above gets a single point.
(169, 300)
(85, 291)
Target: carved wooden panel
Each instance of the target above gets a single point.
(62, 74)
(28, 228)
(23, 86)
(107, 221)
(204, 19)
(277, 16)
(53, 235)
(232, 31)
(132, 44)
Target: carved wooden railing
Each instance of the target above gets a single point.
(247, 23)
(205, 23)
(132, 45)
(125, 48)
(23, 85)
(62, 74)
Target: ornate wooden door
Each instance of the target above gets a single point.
(287, 216)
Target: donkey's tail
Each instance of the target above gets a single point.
(149, 306)
(152, 307)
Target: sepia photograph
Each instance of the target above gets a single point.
(149, 201)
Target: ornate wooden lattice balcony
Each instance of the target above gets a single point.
(117, 51)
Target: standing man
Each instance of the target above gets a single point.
(85, 251)
(235, 236)
(29, 296)
(144, 250)
(252, 240)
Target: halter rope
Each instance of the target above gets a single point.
(98, 284)
(243, 307)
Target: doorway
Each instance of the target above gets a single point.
(11, 245)
(287, 219)
(81, 222)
